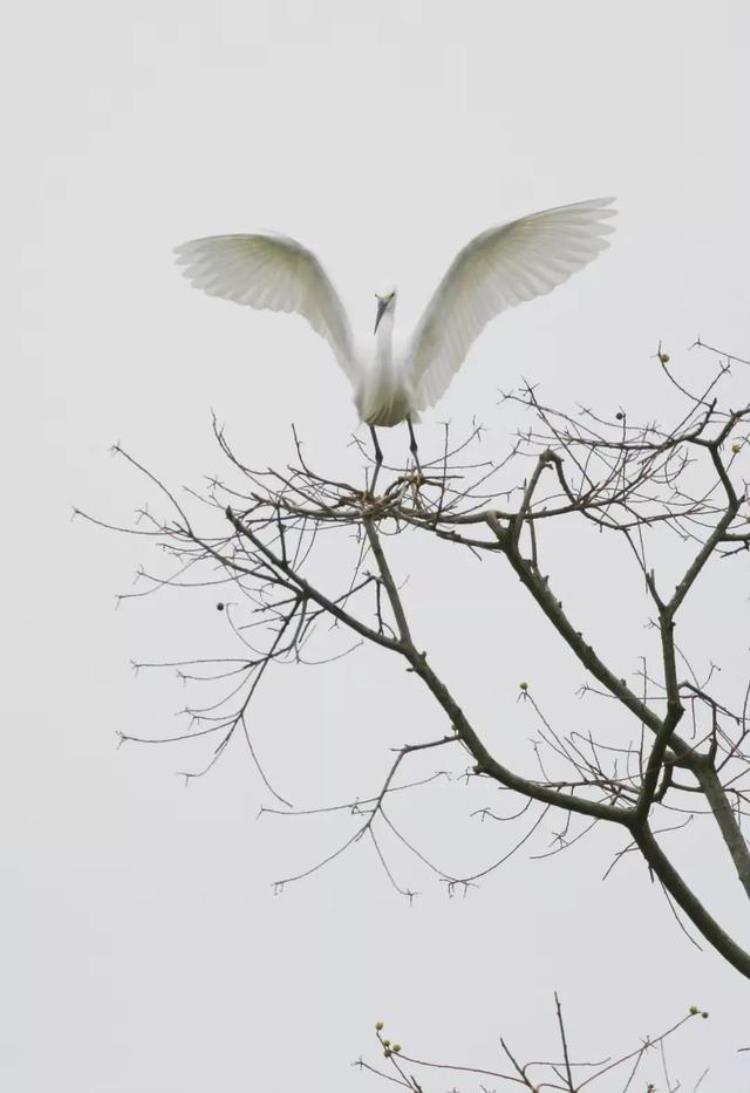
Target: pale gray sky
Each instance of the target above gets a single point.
(143, 950)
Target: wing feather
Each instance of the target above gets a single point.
(500, 268)
(271, 272)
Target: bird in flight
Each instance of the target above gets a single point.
(499, 268)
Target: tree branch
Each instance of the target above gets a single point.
(738, 957)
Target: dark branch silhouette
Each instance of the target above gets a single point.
(259, 535)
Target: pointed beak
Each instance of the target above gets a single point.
(382, 306)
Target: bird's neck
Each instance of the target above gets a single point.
(384, 344)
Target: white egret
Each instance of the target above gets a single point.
(502, 267)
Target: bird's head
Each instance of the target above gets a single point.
(386, 303)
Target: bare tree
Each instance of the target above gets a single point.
(682, 751)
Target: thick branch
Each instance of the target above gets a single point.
(552, 608)
(390, 585)
(726, 820)
(688, 901)
(674, 714)
(487, 764)
(716, 536)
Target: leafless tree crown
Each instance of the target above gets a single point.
(262, 532)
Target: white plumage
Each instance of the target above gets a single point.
(501, 267)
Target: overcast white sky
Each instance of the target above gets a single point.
(142, 948)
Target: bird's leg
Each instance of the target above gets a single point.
(378, 458)
(413, 447)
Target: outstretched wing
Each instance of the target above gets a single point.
(274, 272)
(498, 269)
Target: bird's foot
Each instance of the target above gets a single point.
(416, 481)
